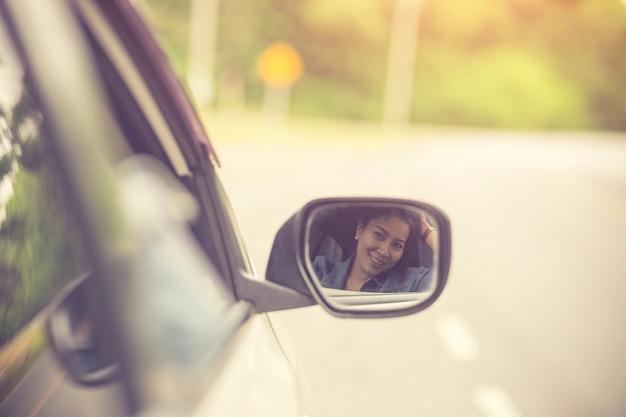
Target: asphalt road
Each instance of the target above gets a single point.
(532, 322)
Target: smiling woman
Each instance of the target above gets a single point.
(384, 256)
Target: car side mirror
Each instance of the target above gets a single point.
(365, 257)
(73, 337)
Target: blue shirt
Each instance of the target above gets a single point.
(334, 275)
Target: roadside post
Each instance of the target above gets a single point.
(202, 50)
(401, 62)
(279, 66)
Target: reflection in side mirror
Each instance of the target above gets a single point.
(385, 249)
(374, 255)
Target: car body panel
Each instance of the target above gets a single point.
(254, 380)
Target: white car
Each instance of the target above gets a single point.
(125, 286)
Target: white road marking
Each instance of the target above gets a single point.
(494, 401)
(457, 337)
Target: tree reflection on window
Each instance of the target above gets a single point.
(40, 249)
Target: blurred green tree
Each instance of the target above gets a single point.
(531, 64)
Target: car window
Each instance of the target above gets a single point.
(40, 247)
(150, 126)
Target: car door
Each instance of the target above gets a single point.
(42, 258)
(245, 360)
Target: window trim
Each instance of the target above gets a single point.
(135, 82)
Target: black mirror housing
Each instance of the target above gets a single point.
(317, 249)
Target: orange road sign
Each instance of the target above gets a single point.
(279, 65)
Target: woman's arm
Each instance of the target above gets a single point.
(428, 234)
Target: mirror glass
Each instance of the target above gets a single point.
(372, 254)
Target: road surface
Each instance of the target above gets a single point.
(532, 322)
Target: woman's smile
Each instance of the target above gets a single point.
(377, 261)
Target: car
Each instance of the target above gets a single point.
(126, 286)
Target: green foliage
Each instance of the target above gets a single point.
(319, 98)
(530, 64)
(169, 20)
(39, 247)
(565, 65)
(503, 88)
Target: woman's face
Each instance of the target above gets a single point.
(380, 244)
